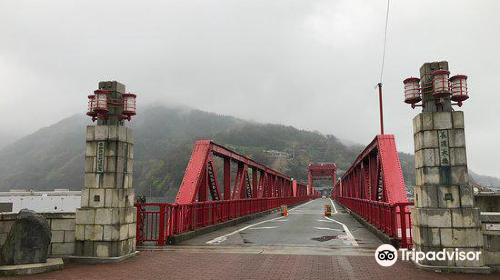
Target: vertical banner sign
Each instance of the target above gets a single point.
(125, 164)
(444, 151)
(100, 157)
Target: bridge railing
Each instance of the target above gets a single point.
(157, 221)
(394, 220)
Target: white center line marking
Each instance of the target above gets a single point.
(262, 227)
(224, 237)
(284, 220)
(328, 228)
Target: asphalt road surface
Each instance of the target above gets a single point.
(304, 231)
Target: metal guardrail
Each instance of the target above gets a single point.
(157, 221)
(393, 219)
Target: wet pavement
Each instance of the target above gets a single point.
(305, 227)
(303, 245)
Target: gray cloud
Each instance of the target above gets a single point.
(311, 64)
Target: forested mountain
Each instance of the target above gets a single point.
(486, 181)
(52, 157)
(6, 138)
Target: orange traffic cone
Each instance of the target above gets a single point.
(284, 210)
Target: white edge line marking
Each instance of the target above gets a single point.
(262, 227)
(224, 237)
(333, 204)
(347, 231)
(328, 228)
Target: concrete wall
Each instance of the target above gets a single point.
(489, 205)
(490, 223)
(61, 224)
(487, 202)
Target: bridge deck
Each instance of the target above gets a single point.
(304, 231)
(272, 247)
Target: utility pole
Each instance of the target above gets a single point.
(381, 108)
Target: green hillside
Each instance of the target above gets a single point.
(53, 156)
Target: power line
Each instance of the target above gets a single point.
(385, 41)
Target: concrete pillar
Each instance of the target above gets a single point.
(106, 221)
(444, 216)
(429, 101)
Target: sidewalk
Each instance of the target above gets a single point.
(232, 266)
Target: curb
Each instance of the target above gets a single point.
(378, 233)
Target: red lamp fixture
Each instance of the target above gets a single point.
(129, 105)
(458, 86)
(442, 86)
(440, 81)
(90, 111)
(100, 103)
(412, 90)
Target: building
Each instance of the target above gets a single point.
(58, 200)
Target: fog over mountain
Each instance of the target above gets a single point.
(53, 156)
(309, 64)
(7, 138)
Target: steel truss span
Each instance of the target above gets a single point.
(321, 171)
(373, 188)
(252, 180)
(256, 188)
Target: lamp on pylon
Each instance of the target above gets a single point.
(101, 105)
(441, 87)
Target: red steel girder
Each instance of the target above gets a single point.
(194, 173)
(238, 181)
(376, 174)
(321, 171)
(200, 177)
(227, 178)
(213, 183)
(299, 189)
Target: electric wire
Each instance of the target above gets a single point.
(385, 41)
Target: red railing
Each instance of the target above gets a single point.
(392, 219)
(157, 221)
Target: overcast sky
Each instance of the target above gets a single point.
(311, 64)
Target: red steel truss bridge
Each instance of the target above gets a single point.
(255, 188)
(220, 185)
